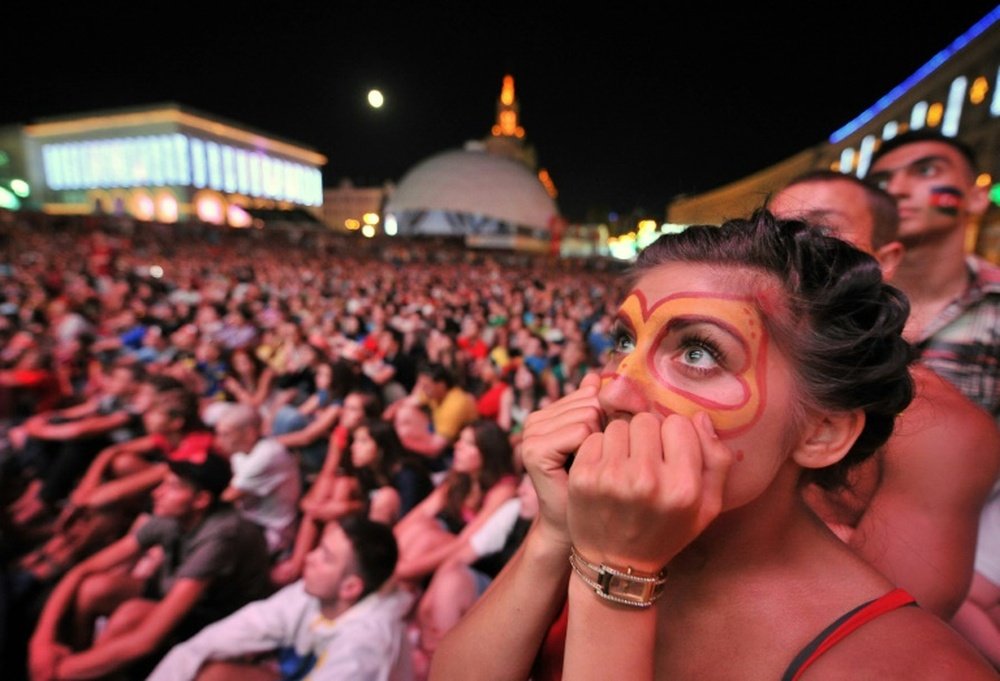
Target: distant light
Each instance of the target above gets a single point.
(865, 155)
(953, 112)
(375, 99)
(977, 93)
(984, 180)
(847, 160)
(238, 217)
(166, 207)
(370, 218)
(890, 130)
(8, 200)
(144, 207)
(391, 228)
(156, 272)
(351, 223)
(918, 116)
(995, 104)
(20, 187)
(368, 231)
(995, 194)
(934, 114)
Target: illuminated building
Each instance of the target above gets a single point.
(957, 91)
(488, 193)
(168, 163)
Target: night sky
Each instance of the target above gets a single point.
(626, 107)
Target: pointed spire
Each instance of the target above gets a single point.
(507, 112)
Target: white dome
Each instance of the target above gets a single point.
(476, 183)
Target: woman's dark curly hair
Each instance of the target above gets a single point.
(841, 325)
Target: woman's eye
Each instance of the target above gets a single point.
(698, 356)
(624, 343)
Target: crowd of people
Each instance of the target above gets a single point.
(165, 400)
(270, 455)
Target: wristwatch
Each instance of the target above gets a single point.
(624, 586)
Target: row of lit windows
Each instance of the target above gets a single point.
(181, 160)
(948, 115)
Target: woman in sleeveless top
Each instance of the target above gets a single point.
(391, 478)
(749, 359)
(481, 478)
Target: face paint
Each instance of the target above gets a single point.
(737, 393)
(946, 199)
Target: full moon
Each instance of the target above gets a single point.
(375, 99)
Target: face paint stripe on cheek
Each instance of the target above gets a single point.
(946, 199)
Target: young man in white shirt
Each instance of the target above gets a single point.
(340, 621)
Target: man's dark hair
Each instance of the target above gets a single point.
(375, 550)
(212, 474)
(438, 373)
(927, 135)
(881, 205)
(162, 383)
(396, 334)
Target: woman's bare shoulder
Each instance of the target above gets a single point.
(908, 643)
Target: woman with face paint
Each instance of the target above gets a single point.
(672, 541)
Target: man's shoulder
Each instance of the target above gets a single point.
(942, 430)
(269, 446)
(225, 521)
(383, 611)
(986, 274)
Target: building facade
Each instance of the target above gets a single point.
(166, 163)
(957, 91)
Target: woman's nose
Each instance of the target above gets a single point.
(621, 394)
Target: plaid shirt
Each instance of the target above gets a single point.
(962, 344)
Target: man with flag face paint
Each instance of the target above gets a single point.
(955, 296)
(911, 510)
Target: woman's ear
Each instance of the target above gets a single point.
(828, 437)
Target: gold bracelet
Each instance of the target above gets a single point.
(625, 587)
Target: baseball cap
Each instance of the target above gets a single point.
(212, 474)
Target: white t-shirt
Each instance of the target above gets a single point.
(271, 482)
(366, 643)
(491, 537)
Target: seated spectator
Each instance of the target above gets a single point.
(392, 369)
(249, 380)
(413, 426)
(481, 478)
(451, 407)
(115, 489)
(463, 578)
(29, 381)
(215, 561)
(391, 479)
(266, 484)
(342, 620)
(306, 427)
(496, 397)
(334, 492)
(60, 444)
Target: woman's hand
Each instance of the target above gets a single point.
(551, 436)
(644, 489)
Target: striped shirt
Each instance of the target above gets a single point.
(962, 343)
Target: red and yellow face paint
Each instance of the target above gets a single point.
(737, 396)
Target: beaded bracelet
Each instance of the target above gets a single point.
(625, 587)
